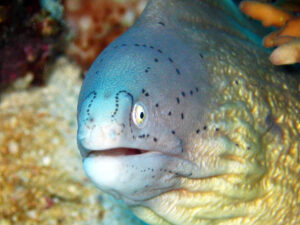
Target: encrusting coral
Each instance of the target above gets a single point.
(283, 16)
(41, 181)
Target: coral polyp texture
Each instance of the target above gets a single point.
(96, 23)
(41, 181)
(283, 15)
(29, 38)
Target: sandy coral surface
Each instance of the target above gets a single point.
(41, 175)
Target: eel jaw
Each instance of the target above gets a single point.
(132, 174)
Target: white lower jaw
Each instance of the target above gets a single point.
(134, 177)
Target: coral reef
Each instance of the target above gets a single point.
(41, 175)
(283, 15)
(29, 38)
(96, 23)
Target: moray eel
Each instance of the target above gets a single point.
(184, 118)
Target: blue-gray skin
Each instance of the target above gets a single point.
(153, 113)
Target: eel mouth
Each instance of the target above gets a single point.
(115, 152)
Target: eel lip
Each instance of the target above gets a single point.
(114, 152)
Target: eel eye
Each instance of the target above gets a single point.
(139, 115)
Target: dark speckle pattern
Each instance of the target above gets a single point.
(94, 94)
(117, 106)
(162, 23)
(182, 116)
(177, 70)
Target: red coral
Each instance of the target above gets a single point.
(96, 23)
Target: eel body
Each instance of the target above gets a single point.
(185, 119)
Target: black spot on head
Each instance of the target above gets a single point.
(191, 92)
(124, 45)
(177, 71)
(155, 60)
(136, 45)
(197, 89)
(205, 127)
(171, 60)
(146, 71)
(161, 23)
(197, 131)
(151, 47)
(147, 94)
(183, 94)
(201, 55)
(160, 51)
(217, 129)
(144, 45)
(155, 139)
(143, 90)
(177, 99)
(156, 105)
(173, 131)
(182, 116)
(248, 148)
(236, 82)
(170, 113)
